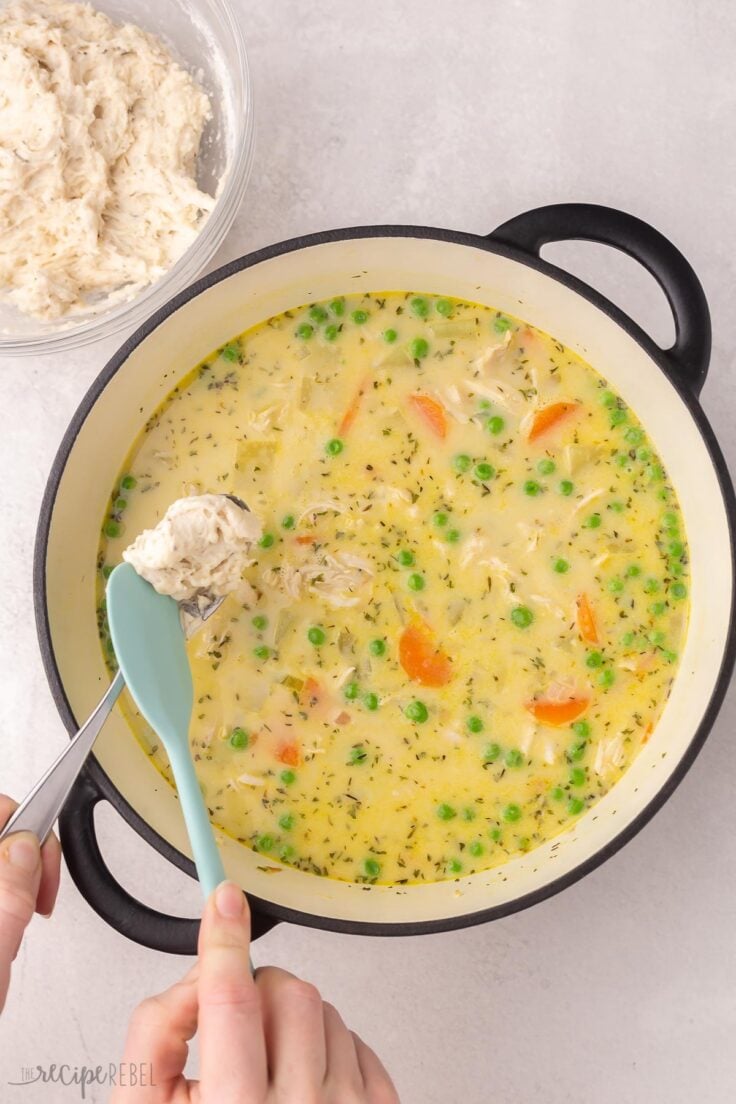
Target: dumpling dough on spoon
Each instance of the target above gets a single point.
(201, 546)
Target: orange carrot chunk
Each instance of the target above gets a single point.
(432, 412)
(289, 754)
(549, 416)
(557, 713)
(586, 621)
(306, 538)
(352, 411)
(421, 658)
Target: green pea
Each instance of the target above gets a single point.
(606, 679)
(419, 306)
(440, 518)
(474, 724)
(357, 755)
(484, 472)
(581, 729)
(370, 701)
(260, 621)
(405, 557)
(377, 647)
(372, 868)
(304, 331)
(616, 586)
(444, 307)
(288, 777)
(286, 852)
(676, 548)
(633, 570)
(495, 425)
(656, 637)
(634, 435)
(670, 520)
(514, 758)
(651, 586)
(656, 473)
(417, 711)
(594, 659)
(658, 608)
(576, 752)
(617, 507)
(557, 794)
(334, 447)
(501, 324)
(561, 566)
(359, 317)
(618, 417)
(566, 488)
(491, 752)
(231, 352)
(453, 536)
(317, 313)
(608, 398)
(476, 848)
(675, 568)
(265, 843)
(351, 691)
(389, 336)
(316, 635)
(107, 571)
(120, 504)
(593, 522)
(575, 806)
(512, 813)
(419, 348)
(462, 462)
(469, 813)
(288, 522)
(286, 822)
(337, 306)
(454, 866)
(532, 488)
(261, 652)
(266, 540)
(522, 617)
(331, 332)
(112, 528)
(577, 776)
(622, 459)
(678, 590)
(546, 466)
(128, 482)
(416, 582)
(239, 738)
(446, 812)
(643, 454)
(669, 657)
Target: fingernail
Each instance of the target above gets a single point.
(25, 853)
(229, 900)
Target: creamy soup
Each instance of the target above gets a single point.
(468, 602)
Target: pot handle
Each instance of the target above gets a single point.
(690, 354)
(115, 905)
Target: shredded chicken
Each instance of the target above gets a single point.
(313, 511)
(609, 754)
(491, 353)
(586, 501)
(343, 580)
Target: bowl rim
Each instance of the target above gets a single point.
(200, 251)
(104, 783)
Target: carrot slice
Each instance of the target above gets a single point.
(586, 620)
(557, 713)
(305, 538)
(289, 754)
(352, 411)
(421, 658)
(550, 416)
(433, 413)
(311, 692)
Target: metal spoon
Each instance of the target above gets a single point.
(39, 810)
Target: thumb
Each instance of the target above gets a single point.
(20, 877)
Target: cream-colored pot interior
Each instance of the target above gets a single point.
(320, 271)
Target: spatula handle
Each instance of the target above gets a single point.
(210, 870)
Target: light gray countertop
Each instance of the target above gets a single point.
(458, 115)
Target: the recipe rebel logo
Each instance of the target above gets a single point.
(126, 1075)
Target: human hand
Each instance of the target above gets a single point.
(29, 882)
(264, 1040)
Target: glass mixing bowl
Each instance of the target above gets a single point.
(205, 36)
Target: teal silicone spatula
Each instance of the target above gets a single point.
(150, 648)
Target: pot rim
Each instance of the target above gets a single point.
(476, 241)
